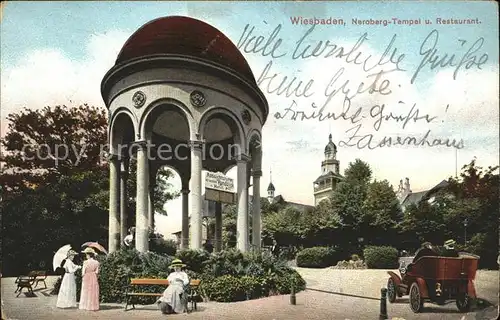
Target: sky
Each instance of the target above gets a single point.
(56, 53)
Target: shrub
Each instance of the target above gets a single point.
(351, 264)
(317, 257)
(288, 253)
(284, 283)
(381, 257)
(194, 259)
(163, 247)
(226, 262)
(247, 276)
(226, 288)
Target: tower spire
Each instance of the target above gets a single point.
(271, 175)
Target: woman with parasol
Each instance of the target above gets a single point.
(67, 292)
(89, 297)
(170, 302)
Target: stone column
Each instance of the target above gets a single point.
(242, 218)
(151, 207)
(142, 203)
(218, 227)
(185, 216)
(195, 195)
(256, 212)
(123, 201)
(114, 204)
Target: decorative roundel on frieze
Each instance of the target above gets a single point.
(198, 99)
(139, 99)
(246, 117)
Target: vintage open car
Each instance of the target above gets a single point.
(435, 279)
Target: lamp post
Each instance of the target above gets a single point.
(360, 243)
(466, 222)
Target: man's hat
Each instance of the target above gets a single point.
(177, 263)
(449, 243)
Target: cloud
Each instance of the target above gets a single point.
(294, 149)
(47, 76)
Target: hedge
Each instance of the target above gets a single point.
(381, 257)
(318, 257)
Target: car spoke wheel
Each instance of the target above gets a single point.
(416, 301)
(463, 302)
(391, 290)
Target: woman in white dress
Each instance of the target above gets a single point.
(67, 292)
(170, 302)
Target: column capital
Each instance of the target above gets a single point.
(256, 173)
(196, 144)
(185, 191)
(242, 157)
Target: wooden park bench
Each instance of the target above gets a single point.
(191, 292)
(33, 278)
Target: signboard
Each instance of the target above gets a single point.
(219, 196)
(219, 181)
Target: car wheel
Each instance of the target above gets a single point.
(416, 301)
(391, 290)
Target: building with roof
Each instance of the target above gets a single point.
(407, 197)
(326, 183)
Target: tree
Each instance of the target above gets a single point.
(358, 172)
(323, 227)
(423, 222)
(56, 140)
(286, 226)
(38, 221)
(477, 195)
(381, 210)
(347, 203)
(364, 208)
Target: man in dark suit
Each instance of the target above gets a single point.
(426, 251)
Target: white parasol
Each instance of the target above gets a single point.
(60, 255)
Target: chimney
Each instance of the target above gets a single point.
(407, 186)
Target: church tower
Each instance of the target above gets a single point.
(270, 188)
(326, 183)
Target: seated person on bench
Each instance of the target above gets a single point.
(171, 301)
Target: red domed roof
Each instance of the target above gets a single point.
(184, 36)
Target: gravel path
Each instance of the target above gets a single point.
(311, 304)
